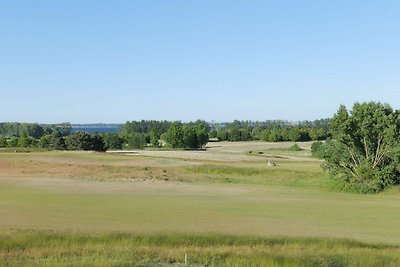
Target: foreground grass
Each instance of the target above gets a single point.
(44, 248)
(220, 211)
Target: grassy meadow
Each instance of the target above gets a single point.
(221, 207)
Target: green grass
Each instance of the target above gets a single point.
(89, 209)
(287, 174)
(46, 248)
(162, 207)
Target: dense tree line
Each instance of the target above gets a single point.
(50, 136)
(271, 131)
(190, 135)
(34, 130)
(140, 134)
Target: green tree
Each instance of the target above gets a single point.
(294, 134)
(23, 140)
(44, 141)
(235, 135)
(190, 137)
(112, 141)
(12, 142)
(366, 150)
(97, 143)
(317, 149)
(317, 134)
(135, 140)
(34, 130)
(222, 135)
(84, 141)
(265, 135)
(202, 135)
(174, 135)
(57, 141)
(3, 141)
(154, 137)
(275, 136)
(213, 133)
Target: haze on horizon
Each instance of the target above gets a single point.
(101, 61)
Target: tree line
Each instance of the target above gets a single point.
(271, 131)
(153, 133)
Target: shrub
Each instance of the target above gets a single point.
(295, 147)
(316, 150)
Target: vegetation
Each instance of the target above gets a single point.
(272, 131)
(295, 147)
(317, 149)
(140, 134)
(220, 207)
(121, 249)
(33, 129)
(84, 141)
(365, 153)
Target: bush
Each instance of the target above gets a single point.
(317, 149)
(295, 147)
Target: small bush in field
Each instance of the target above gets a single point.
(295, 147)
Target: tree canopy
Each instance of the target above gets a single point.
(365, 153)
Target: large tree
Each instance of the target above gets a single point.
(366, 147)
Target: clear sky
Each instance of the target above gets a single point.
(111, 61)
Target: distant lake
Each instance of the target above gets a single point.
(96, 128)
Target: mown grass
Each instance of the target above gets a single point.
(47, 248)
(219, 213)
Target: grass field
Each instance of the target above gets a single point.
(222, 207)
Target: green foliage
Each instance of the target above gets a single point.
(174, 136)
(33, 129)
(190, 137)
(222, 135)
(112, 141)
(44, 141)
(202, 135)
(57, 141)
(213, 133)
(3, 141)
(13, 142)
(317, 150)
(295, 147)
(273, 131)
(294, 135)
(84, 141)
(275, 136)
(366, 151)
(23, 141)
(154, 138)
(319, 134)
(135, 140)
(144, 127)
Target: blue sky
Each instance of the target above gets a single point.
(113, 61)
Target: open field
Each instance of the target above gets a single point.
(222, 206)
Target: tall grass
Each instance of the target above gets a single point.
(250, 175)
(28, 248)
